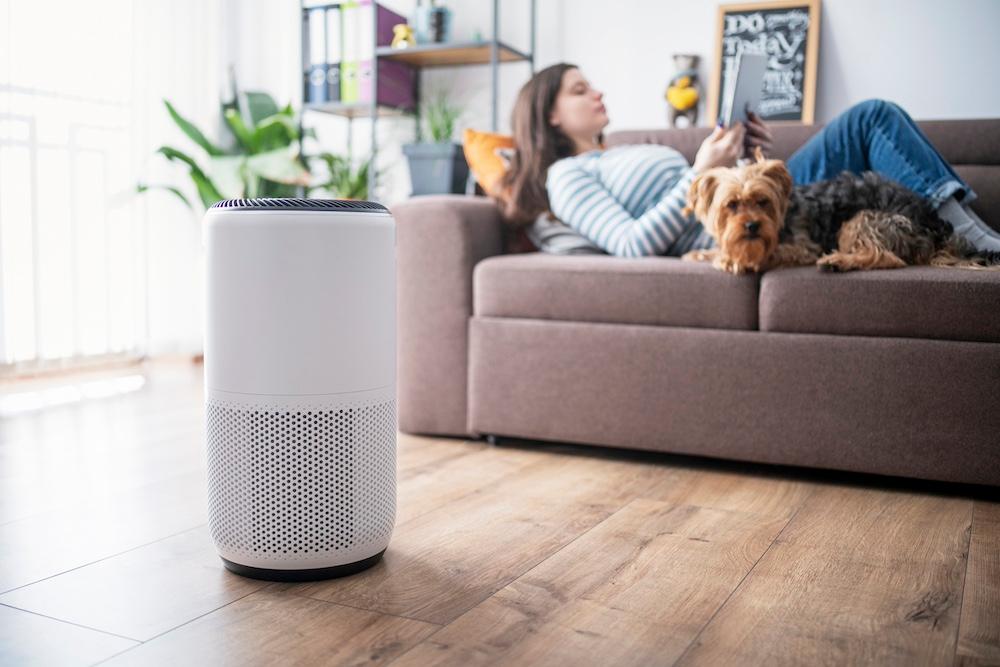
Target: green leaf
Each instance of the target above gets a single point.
(275, 132)
(174, 154)
(142, 187)
(207, 191)
(228, 172)
(253, 186)
(343, 180)
(280, 165)
(260, 106)
(191, 131)
(272, 189)
(440, 116)
(247, 139)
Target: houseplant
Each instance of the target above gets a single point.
(438, 166)
(260, 157)
(342, 180)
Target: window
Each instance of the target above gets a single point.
(89, 268)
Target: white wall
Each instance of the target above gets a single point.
(938, 61)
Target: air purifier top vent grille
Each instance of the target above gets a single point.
(290, 204)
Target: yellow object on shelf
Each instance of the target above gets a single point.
(402, 36)
(681, 96)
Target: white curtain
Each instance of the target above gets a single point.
(89, 268)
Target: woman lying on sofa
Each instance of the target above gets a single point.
(627, 201)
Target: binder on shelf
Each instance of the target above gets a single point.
(349, 82)
(334, 40)
(314, 54)
(339, 43)
(366, 50)
(350, 15)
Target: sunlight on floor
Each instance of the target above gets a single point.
(17, 403)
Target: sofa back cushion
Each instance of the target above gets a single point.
(972, 147)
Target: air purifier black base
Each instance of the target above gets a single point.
(303, 575)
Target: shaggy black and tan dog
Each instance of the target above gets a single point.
(761, 221)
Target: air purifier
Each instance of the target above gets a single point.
(300, 385)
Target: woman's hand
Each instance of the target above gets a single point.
(758, 134)
(721, 148)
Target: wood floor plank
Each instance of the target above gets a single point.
(72, 454)
(416, 453)
(634, 590)
(979, 630)
(859, 576)
(530, 554)
(141, 593)
(42, 546)
(146, 591)
(764, 494)
(444, 562)
(65, 474)
(435, 484)
(271, 628)
(30, 639)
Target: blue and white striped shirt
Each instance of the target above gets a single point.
(627, 200)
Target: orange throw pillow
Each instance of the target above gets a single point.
(481, 153)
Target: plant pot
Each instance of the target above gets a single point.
(437, 168)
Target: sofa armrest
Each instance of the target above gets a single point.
(439, 240)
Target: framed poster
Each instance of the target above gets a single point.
(788, 32)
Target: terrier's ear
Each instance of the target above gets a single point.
(778, 172)
(758, 154)
(700, 194)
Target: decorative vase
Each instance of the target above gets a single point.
(431, 24)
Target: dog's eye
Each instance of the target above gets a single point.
(762, 203)
(733, 205)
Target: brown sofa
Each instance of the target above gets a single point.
(892, 372)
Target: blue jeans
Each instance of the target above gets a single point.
(877, 135)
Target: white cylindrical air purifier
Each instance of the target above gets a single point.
(300, 385)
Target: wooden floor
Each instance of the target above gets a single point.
(522, 553)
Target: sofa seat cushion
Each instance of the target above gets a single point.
(662, 291)
(915, 302)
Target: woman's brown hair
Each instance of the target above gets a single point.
(538, 145)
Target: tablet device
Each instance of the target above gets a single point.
(744, 90)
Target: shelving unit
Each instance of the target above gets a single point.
(490, 52)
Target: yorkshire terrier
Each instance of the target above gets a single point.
(761, 221)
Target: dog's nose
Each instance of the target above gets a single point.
(752, 227)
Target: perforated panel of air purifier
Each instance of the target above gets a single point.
(293, 484)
